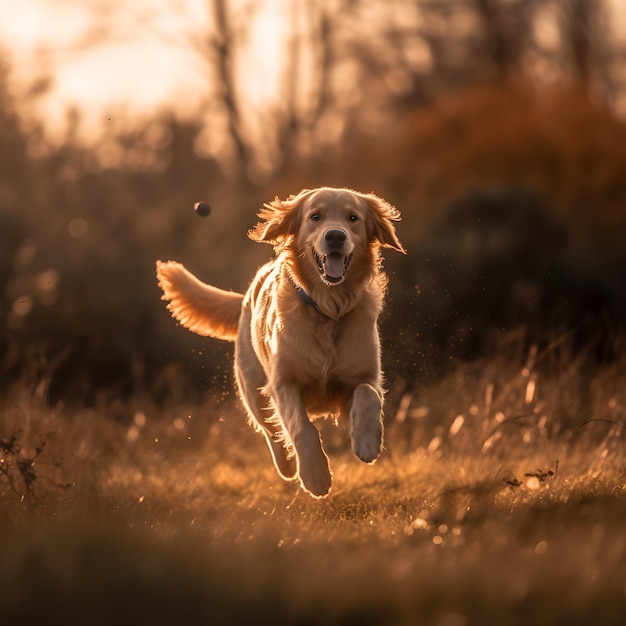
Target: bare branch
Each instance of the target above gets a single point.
(223, 46)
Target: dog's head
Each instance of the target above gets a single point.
(329, 229)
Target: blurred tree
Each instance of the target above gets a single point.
(353, 61)
(287, 125)
(219, 50)
(587, 51)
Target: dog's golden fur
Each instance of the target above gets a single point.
(306, 334)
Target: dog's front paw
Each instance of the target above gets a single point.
(367, 425)
(367, 444)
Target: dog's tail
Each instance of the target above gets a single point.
(201, 308)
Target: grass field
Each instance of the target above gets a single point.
(500, 499)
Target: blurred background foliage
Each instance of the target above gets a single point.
(495, 126)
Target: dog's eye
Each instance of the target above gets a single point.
(315, 217)
(354, 218)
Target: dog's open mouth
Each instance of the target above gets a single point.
(332, 266)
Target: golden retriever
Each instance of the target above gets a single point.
(306, 335)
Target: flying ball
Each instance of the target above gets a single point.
(202, 208)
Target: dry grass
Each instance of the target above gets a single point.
(497, 501)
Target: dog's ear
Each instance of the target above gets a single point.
(380, 222)
(279, 220)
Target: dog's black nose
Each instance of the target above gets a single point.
(335, 237)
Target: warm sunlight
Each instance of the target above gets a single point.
(348, 434)
(111, 59)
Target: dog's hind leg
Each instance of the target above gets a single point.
(250, 379)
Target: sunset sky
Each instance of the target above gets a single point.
(105, 58)
(136, 56)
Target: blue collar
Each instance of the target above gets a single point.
(305, 296)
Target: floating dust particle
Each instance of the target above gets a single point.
(457, 424)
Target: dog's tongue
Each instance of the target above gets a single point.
(333, 265)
